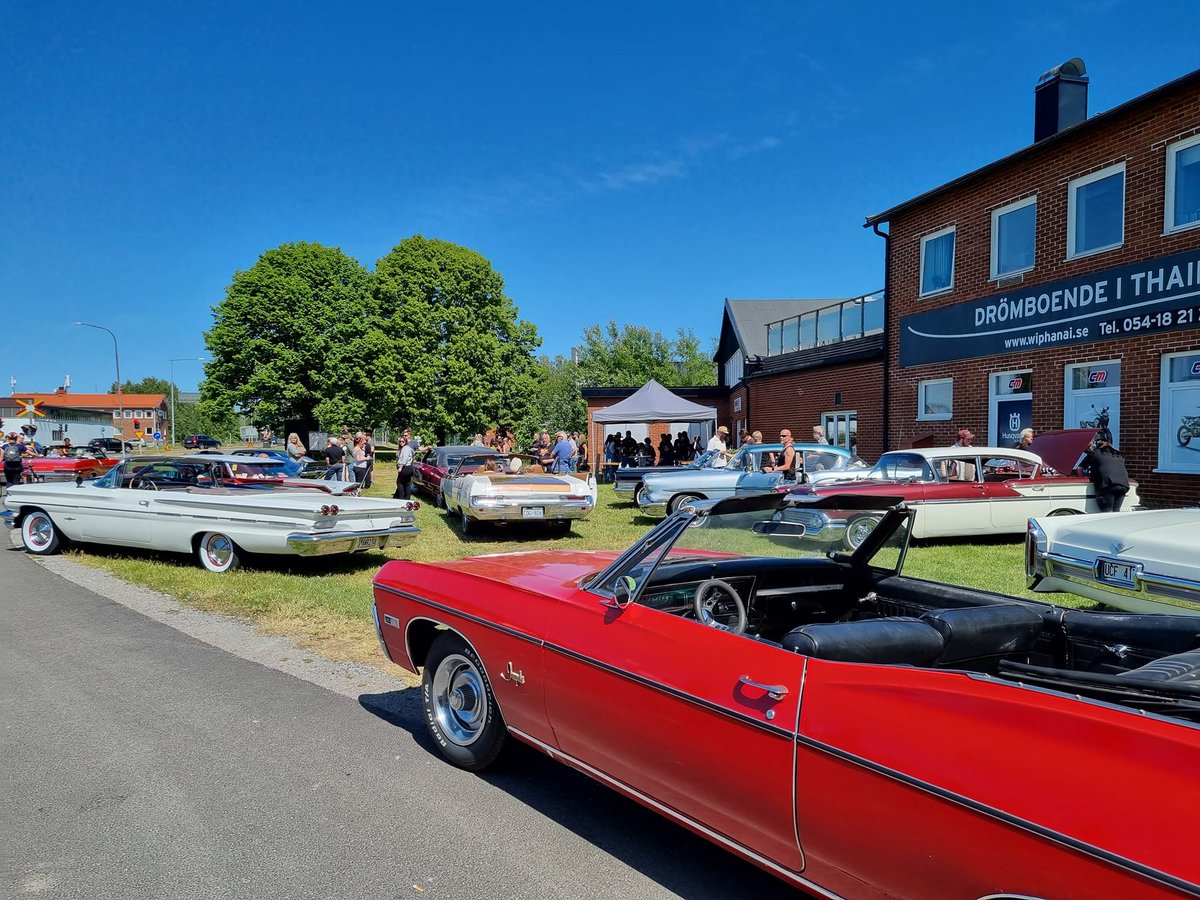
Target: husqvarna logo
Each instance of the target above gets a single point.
(1014, 421)
(1099, 376)
(1015, 382)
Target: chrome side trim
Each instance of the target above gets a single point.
(511, 632)
(672, 813)
(691, 699)
(1041, 831)
(379, 633)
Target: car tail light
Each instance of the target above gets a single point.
(414, 505)
(329, 510)
(333, 510)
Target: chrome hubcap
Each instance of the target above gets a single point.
(458, 700)
(219, 550)
(38, 531)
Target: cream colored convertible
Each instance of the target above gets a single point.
(515, 488)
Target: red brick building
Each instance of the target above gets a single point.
(1056, 283)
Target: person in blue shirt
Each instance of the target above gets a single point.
(562, 453)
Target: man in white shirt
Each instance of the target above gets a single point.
(718, 440)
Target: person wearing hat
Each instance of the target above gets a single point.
(13, 452)
(720, 440)
(1104, 465)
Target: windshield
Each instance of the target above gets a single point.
(770, 527)
(903, 467)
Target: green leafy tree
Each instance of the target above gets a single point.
(630, 355)
(556, 402)
(449, 354)
(148, 385)
(282, 337)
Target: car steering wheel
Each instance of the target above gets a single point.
(713, 602)
(143, 484)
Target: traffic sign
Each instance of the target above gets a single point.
(158, 435)
(138, 434)
(31, 408)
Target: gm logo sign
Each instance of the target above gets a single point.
(1099, 376)
(1015, 382)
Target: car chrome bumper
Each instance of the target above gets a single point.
(323, 544)
(504, 511)
(1081, 577)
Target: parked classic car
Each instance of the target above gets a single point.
(435, 463)
(957, 491)
(200, 442)
(852, 730)
(305, 467)
(1143, 561)
(187, 505)
(512, 487)
(666, 491)
(628, 479)
(67, 464)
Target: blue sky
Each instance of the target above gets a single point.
(631, 161)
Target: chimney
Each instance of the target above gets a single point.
(1060, 99)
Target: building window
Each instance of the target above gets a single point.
(1179, 413)
(1092, 395)
(1183, 184)
(937, 262)
(734, 369)
(1010, 407)
(127, 413)
(935, 400)
(1096, 212)
(1014, 233)
(841, 428)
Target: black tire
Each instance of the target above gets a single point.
(441, 500)
(563, 527)
(639, 493)
(460, 708)
(681, 500)
(218, 553)
(40, 535)
(465, 524)
(857, 530)
(1183, 435)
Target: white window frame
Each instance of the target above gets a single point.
(922, 388)
(933, 236)
(1166, 427)
(1073, 188)
(997, 215)
(1114, 422)
(1169, 227)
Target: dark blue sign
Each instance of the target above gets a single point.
(1012, 417)
(1157, 295)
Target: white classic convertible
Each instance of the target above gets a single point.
(1143, 561)
(187, 505)
(514, 487)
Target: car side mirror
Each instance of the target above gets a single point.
(623, 591)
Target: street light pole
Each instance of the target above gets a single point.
(120, 396)
(173, 390)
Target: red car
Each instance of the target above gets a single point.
(852, 730)
(435, 463)
(68, 464)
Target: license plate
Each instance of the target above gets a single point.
(532, 512)
(1118, 573)
(366, 543)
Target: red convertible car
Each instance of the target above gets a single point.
(68, 463)
(854, 731)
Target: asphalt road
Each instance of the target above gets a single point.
(139, 761)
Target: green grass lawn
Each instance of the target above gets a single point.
(325, 603)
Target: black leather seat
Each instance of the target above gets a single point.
(897, 639)
(1180, 668)
(984, 632)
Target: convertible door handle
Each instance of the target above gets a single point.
(143, 503)
(774, 691)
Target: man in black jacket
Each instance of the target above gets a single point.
(1105, 466)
